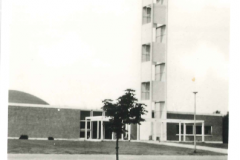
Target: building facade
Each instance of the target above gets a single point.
(35, 118)
(31, 116)
(167, 85)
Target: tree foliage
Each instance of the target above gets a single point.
(125, 111)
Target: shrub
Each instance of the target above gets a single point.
(50, 138)
(23, 137)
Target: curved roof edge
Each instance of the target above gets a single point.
(15, 96)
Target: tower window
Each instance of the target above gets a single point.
(145, 91)
(160, 33)
(145, 53)
(146, 15)
(160, 72)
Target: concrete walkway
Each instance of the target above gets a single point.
(212, 149)
(108, 157)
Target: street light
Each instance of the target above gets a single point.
(195, 151)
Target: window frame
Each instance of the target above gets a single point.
(145, 90)
(147, 10)
(146, 49)
(192, 132)
(159, 76)
(162, 32)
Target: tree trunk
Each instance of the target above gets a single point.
(117, 147)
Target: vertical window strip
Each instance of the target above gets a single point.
(145, 53)
(157, 72)
(146, 15)
(160, 33)
(163, 29)
(145, 90)
(162, 72)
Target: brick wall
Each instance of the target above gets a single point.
(43, 122)
(214, 121)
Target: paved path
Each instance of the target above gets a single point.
(212, 149)
(107, 157)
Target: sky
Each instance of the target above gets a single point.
(78, 53)
(75, 53)
(198, 43)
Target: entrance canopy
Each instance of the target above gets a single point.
(180, 122)
(101, 127)
(174, 120)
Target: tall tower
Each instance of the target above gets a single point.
(154, 68)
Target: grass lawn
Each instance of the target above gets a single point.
(87, 147)
(215, 145)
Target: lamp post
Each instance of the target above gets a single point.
(195, 151)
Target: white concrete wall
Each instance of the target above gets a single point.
(146, 68)
(146, 33)
(158, 93)
(159, 52)
(145, 130)
(159, 13)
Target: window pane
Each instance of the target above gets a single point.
(145, 53)
(97, 113)
(82, 125)
(163, 28)
(145, 90)
(82, 134)
(149, 15)
(148, 49)
(207, 130)
(148, 11)
(158, 31)
(146, 15)
(198, 129)
(157, 69)
(162, 72)
(147, 87)
(157, 72)
(189, 129)
(177, 129)
(84, 114)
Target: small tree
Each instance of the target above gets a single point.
(125, 111)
